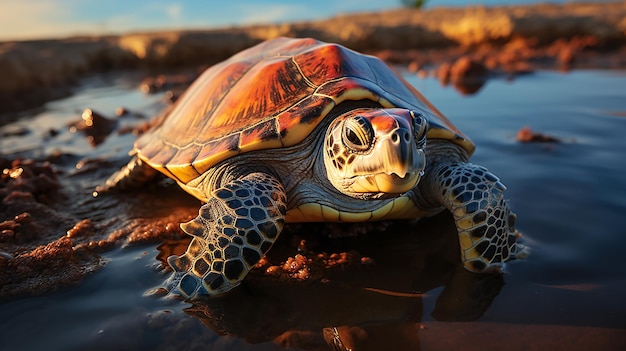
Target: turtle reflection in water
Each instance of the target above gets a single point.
(296, 130)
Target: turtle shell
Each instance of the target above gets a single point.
(274, 95)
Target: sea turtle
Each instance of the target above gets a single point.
(297, 130)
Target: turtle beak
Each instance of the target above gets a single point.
(403, 162)
(400, 164)
(402, 156)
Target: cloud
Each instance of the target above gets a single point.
(174, 11)
(260, 13)
(45, 19)
(22, 20)
(28, 19)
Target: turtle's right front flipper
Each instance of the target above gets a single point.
(233, 230)
(132, 175)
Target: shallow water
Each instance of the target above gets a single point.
(569, 198)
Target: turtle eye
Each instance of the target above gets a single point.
(358, 134)
(420, 127)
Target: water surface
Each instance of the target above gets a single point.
(569, 198)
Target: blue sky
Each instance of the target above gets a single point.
(29, 19)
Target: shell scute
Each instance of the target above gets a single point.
(199, 104)
(330, 61)
(297, 122)
(162, 156)
(220, 149)
(282, 46)
(262, 132)
(188, 171)
(355, 88)
(268, 88)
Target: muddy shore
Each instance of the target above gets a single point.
(510, 39)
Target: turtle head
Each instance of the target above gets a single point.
(375, 153)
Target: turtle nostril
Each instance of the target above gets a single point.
(395, 137)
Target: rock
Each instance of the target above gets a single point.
(466, 69)
(526, 135)
(95, 126)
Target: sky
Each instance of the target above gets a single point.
(36, 19)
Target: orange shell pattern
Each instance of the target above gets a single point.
(273, 95)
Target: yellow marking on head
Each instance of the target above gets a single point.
(365, 185)
(389, 184)
(384, 183)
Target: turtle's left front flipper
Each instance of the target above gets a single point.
(485, 224)
(233, 230)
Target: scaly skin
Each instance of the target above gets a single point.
(232, 232)
(485, 224)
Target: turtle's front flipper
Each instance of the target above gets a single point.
(233, 230)
(485, 223)
(132, 175)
